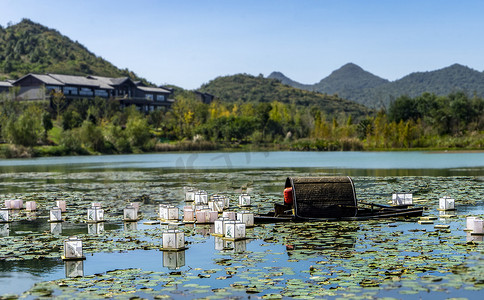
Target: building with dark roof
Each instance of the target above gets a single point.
(123, 90)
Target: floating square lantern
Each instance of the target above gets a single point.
(216, 206)
(478, 227)
(190, 196)
(402, 199)
(234, 230)
(173, 240)
(231, 215)
(206, 216)
(74, 268)
(188, 215)
(173, 260)
(246, 217)
(55, 214)
(446, 203)
(73, 249)
(4, 215)
(30, 206)
(136, 205)
(95, 214)
(169, 212)
(244, 200)
(219, 228)
(95, 228)
(4, 229)
(56, 228)
(8, 204)
(201, 198)
(130, 213)
(62, 205)
(470, 223)
(16, 204)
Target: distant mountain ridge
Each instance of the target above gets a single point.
(353, 83)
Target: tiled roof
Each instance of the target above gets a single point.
(75, 80)
(5, 84)
(153, 89)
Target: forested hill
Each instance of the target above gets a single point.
(353, 83)
(28, 47)
(248, 88)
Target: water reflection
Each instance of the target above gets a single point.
(95, 228)
(221, 244)
(130, 226)
(474, 238)
(56, 228)
(4, 229)
(173, 260)
(74, 268)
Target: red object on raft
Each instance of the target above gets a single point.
(288, 196)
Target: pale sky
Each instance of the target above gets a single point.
(188, 43)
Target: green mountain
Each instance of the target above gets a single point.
(248, 88)
(353, 83)
(28, 47)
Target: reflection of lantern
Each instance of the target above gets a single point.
(74, 268)
(169, 212)
(244, 200)
(62, 205)
(173, 240)
(220, 226)
(95, 214)
(446, 203)
(190, 196)
(231, 215)
(55, 214)
(4, 229)
(188, 215)
(130, 213)
(4, 216)
(246, 217)
(95, 228)
(402, 199)
(30, 206)
(219, 243)
(201, 198)
(56, 228)
(234, 230)
(130, 226)
(173, 260)
(73, 249)
(235, 246)
(474, 238)
(16, 204)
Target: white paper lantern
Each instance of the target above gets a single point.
(219, 226)
(4, 215)
(30, 206)
(169, 212)
(188, 215)
(190, 196)
(234, 230)
(206, 216)
(56, 228)
(231, 215)
(246, 217)
(244, 200)
(136, 206)
(55, 214)
(74, 268)
(8, 204)
(173, 260)
(173, 240)
(73, 249)
(446, 203)
(130, 213)
(478, 226)
(216, 206)
(95, 228)
(16, 204)
(402, 199)
(201, 198)
(95, 214)
(62, 205)
(470, 223)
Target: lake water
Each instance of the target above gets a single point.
(394, 258)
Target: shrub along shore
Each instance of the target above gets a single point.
(83, 127)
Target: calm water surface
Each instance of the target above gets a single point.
(163, 176)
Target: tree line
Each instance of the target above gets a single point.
(58, 127)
